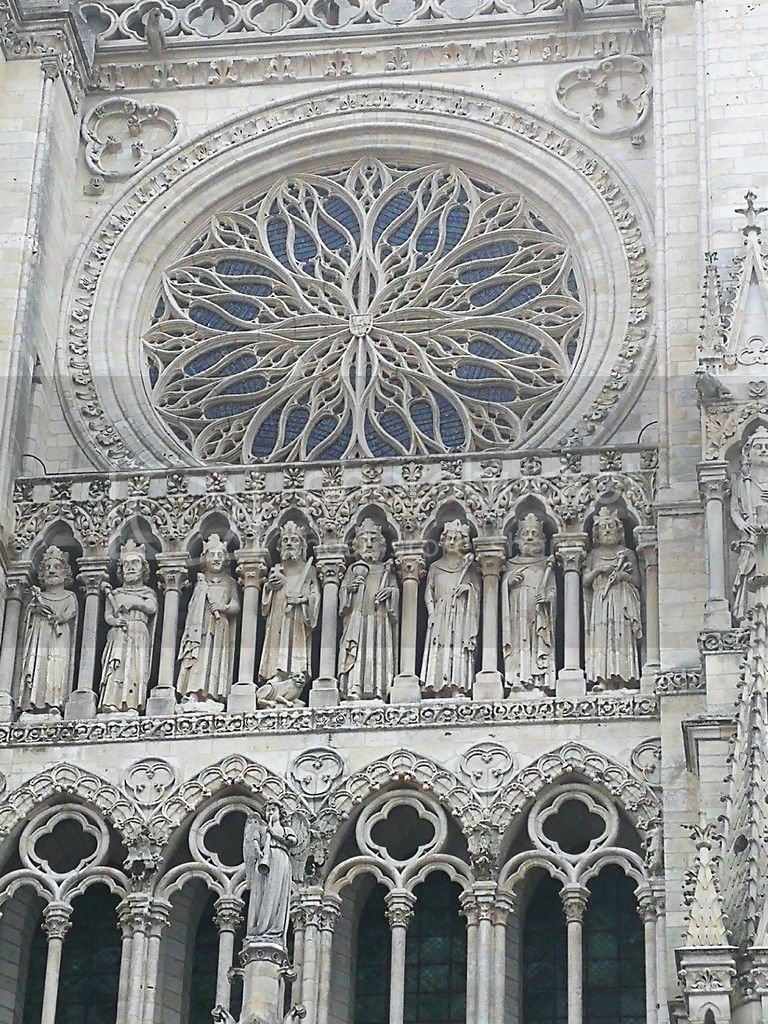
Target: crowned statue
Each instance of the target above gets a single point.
(452, 599)
(369, 603)
(207, 648)
(130, 612)
(749, 493)
(291, 603)
(612, 617)
(528, 602)
(48, 648)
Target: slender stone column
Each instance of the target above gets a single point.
(310, 902)
(57, 920)
(570, 550)
(574, 899)
(504, 907)
(648, 550)
(491, 554)
(172, 575)
(400, 904)
(15, 583)
(251, 571)
(159, 919)
(469, 908)
(485, 897)
(329, 915)
(646, 908)
(409, 558)
(133, 918)
(82, 700)
(299, 922)
(330, 567)
(659, 893)
(713, 486)
(229, 915)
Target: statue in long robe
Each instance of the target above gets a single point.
(130, 612)
(750, 491)
(612, 617)
(50, 624)
(268, 842)
(369, 603)
(207, 649)
(452, 599)
(528, 602)
(291, 603)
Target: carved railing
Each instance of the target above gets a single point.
(92, 519)
(156, 22)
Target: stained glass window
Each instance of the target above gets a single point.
(205, 960)
(545, 957)
(372, 962)
(375, 311)
(614, 952)
(436, 956)
(38, 954)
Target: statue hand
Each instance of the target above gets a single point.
(275, 581)
(515, 579)
(355, 583)
(383, 595)
(293, 601)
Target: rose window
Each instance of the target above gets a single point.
(374, 312)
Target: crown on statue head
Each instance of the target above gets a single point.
(214, 544)
(131, 549)
(456, 526)
(760, 432)
(53, 555)
(532, 521)
(370, 526)
(292, 529)
(607, 516)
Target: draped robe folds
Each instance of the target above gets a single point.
(288, 635)
(453, 608)
(127, 657)
(368, 651)
(48, 652)
(528, 623)
(613, 622)
(208, 644)
(748, 494)
(270, 879)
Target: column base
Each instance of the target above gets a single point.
(488, 685)
(571, 682)
(717, 614)
(405, 690)
(161, 702)
(242, 699)
(81, 704)
(324, 693)
(263, 964)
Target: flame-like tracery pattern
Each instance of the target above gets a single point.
(372, 312)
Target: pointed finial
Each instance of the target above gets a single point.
(751, 212)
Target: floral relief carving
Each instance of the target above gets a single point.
(122, 136)
(609, 98)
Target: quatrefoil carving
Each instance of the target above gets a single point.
(64, 839)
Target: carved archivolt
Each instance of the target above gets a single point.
(573, 190)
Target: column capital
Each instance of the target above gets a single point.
(484, 894)
(646, 538)
(252, 565)
(574, 899)
(57, 919)
(409, 559)
(159, 912)
(570, 549)
(713, 480)
(17, 579)
(133, 913)
(505, 905)
(400, 904)
(228, 913)
(329, 911)
(331, 563)
(172, 573)
(91, 573)
(491, 554)
(647, 907)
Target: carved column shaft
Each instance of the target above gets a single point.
(229, 915)
(411, 567)
(647, 547)
(309, 902)
(159, 918)
(485, 896)
(574, 899)
(400, 906)
(15, 584)
(133, 918)
(503, 908)
(571, 550)
(91, 576)
(57, 920)
(251, 569)
(713, 484)
(491, 553)
(646, 908)
(329, 915)
(330, 566)
(173, 577)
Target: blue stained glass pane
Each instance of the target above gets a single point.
(154, 373)
(572, 285)
(391, 210)
(242, 268)
(492, 292)
(421, 414)
(208, 359)
(295, 423)
(473, 371)
(429, 236)
(245, 387)
(491, 250)
(277, 236)
(210, 318)
(395, 426)
(321, 430)
(239, 364)
(220, 410)
(451, 427)
(344, 214)
(379, 447)
(572, 348)
(514, 339)
(332, 237)
(486, 351)
(485, 393)
(336, 448)
(304, 247)
(242, 310)
(265, 438)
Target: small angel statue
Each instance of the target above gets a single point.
(271, 846)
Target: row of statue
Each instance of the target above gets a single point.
(369, 610)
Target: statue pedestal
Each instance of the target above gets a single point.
(242, 699)
(405, 690)
(488, 685)
(324, 693)
(81, 704)
(571, 683)
(263, 965)
(161, 702)
(717, 614)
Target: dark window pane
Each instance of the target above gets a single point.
(545, 957)
(372, 963)
(436, 955)
(90, 962)
(204, 962)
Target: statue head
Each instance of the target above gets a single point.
(455, 538)
(369, 543)
(54, 568)
(215, 553)
(530, 536)
(755, 450)
(607, 528)
(293, 542)
(132, 564)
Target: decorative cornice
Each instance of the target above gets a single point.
(676, 683)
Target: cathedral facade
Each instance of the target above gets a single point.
(383, 530)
